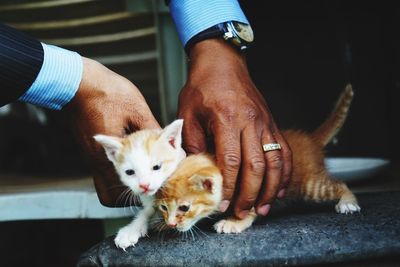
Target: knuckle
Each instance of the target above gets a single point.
(249, 200)
(228, 187)
(227, 112)
(256, 165)
(231, 160)
(246, 201)
(287, 153)
(285, 182)
(275, 161)
(251, 113)
(228, 193)
(287, 174)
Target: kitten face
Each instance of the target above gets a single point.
(192, 193)
(146, 158)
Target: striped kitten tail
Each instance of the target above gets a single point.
(328, 189)
(324, 134)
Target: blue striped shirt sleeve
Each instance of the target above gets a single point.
(58, 79)
(194, 16)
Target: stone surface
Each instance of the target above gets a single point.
(292, 235)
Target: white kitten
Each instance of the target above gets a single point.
(143, 161)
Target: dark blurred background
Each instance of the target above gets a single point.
(305, 52)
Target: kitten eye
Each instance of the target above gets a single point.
(184, 208)
(130, 172)
(157, 167)
(163, 207)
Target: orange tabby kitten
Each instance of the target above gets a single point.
(194, 190)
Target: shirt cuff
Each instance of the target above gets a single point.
(194, 16)
(58, 79)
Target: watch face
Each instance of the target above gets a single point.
(244, 31)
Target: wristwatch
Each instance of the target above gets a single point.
(237, 33)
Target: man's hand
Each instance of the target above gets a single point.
(106, 103)
(220, 100)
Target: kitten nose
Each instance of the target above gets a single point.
(145, 187)
(172, 225)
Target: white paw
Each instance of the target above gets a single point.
(228, 227)
(347, 207)
(129, 236)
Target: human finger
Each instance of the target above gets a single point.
(252, 172)
(273, 175)
(286, 164)
(227, 153)
(194, 138)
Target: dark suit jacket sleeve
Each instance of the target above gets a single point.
(21, 58)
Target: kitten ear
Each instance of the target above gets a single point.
(110, 144)
(202, 183)
(173, 133)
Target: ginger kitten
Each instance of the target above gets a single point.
(143, 161)
(194, 190)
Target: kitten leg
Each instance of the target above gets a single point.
(233, 225)
(327, 189)
(347, 203)
(130, 234)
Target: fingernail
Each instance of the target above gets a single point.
(223, 206)
(243, 214)
(281, 193)
(263, 210)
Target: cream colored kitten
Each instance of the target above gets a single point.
(143, 161)
(194, 190)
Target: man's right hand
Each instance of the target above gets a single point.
(221, 101)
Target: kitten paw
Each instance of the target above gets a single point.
(347, 207)
(129, 236)
(228, 227)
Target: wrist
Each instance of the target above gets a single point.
(215, 59)
(98, 83)
(84, 92)
(217, 56)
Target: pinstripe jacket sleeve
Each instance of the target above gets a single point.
(37, 73)
(21, 58)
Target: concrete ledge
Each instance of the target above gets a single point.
(289, 236)
(38, 198)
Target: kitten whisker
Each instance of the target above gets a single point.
(191, 231)
(185, 235)
(196, 227)
(122, 195)
(155, 220)
(196, 233)
(133, 207)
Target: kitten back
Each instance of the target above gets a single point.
(324, 134)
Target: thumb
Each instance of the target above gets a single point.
(194, 138)
(142, 117)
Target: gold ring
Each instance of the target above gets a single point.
(271, 147)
